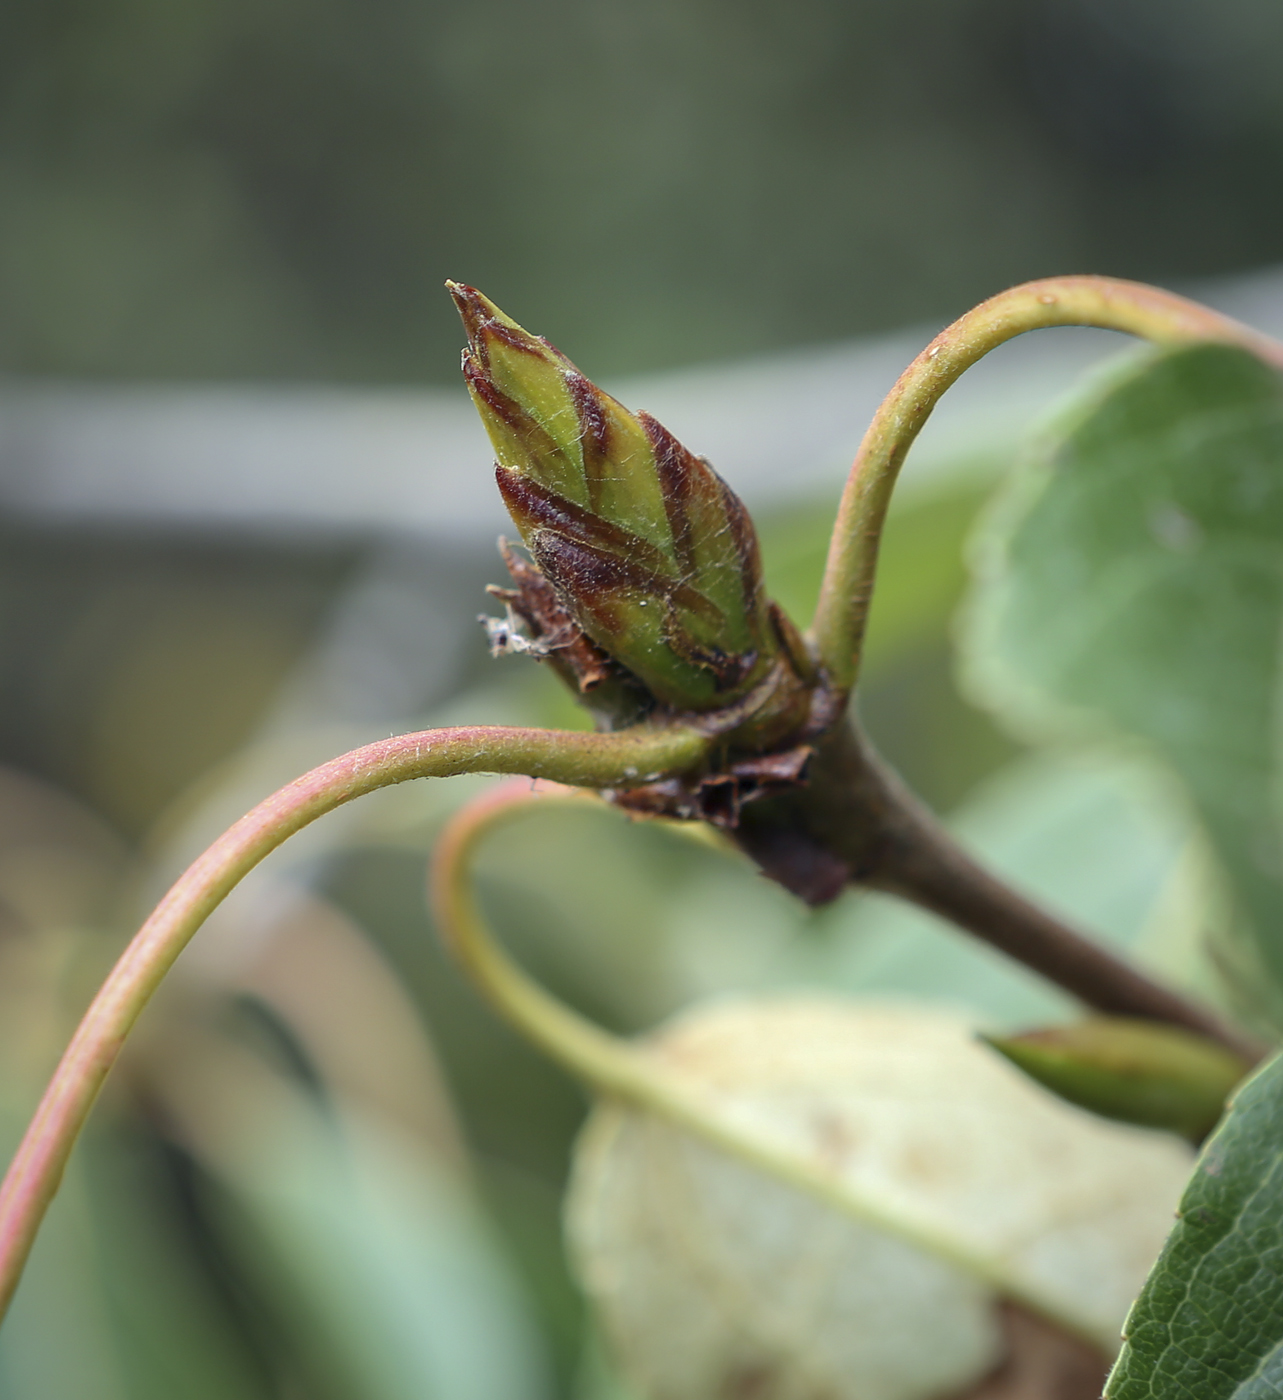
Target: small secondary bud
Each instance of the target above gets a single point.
(1139, 1071)
(650, 551)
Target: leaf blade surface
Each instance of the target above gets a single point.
(1209, 1322)
(1131, 584)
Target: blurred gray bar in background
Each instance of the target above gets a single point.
(339, 460)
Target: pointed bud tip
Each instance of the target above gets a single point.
(480, 315)
(474, 310)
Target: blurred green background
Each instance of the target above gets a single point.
(279, 188)
(325, 1171)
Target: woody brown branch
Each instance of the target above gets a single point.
(855, 822)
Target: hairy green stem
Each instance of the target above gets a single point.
(842, 613)
(586, 760)
(624, 1070)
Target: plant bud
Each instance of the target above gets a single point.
(651, 552)
(1137, 1071)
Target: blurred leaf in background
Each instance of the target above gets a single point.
(115, 1304)
(1131, 588)
(273, 1199)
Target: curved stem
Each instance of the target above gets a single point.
(590, 760)
(599, 1059)
(627, 1071)
(1132, 307)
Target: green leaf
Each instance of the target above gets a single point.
(1209, 1322)
(1132, 583)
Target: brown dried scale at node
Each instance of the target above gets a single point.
(552, 629)
(717, 798)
